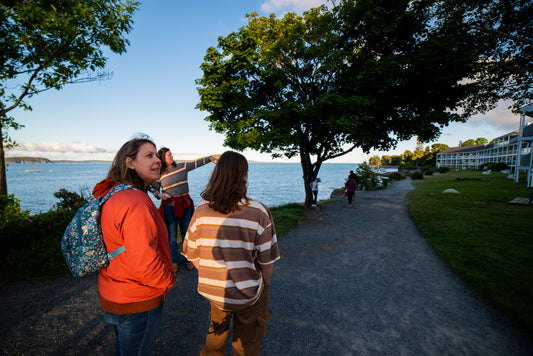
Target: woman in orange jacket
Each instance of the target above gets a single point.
(133, 287)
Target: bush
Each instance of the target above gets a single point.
(367, 179)
(443, 169)
(31, 243)
(427, 170)
(493, 166)
(417, 175)
(394, 176)
(69, 200)
(498, 167)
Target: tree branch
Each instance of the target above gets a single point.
(504, 34)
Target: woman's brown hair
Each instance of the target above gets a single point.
(227, 184)
(119, 172)
(161, 155)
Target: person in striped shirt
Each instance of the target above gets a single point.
(177, 205)
(232, 242)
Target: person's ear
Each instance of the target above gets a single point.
(129, 163)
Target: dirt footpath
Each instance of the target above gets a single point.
(351, 281)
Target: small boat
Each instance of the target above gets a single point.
(32, 170)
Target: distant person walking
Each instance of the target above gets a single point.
(133, 287)
(314, 189)
(351, 187)
(232, 242)
(177, 205)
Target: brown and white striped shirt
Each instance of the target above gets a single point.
(230, 249)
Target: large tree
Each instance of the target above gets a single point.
(365, 74)
(48, 44)
(506, 56)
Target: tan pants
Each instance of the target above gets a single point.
(249, 328)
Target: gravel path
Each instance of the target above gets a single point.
(351, 281)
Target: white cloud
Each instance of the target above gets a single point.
(500, 118)
(75, 147)
(281, 6)
(76, 151)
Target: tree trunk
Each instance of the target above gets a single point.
(3, 178)
(310, 172)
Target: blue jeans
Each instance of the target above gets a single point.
(135, 332)
(172, 227)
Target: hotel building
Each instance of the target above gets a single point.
(513, 149)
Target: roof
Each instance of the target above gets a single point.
(527, 110)
(465, 149)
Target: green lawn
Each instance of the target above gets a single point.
(483, 239)
(287, 217)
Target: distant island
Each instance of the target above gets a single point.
(27, 160)
(46, 160)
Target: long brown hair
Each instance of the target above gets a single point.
(119, 171)
(161, 154)
(227, 184)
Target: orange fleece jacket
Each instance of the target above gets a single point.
(144, 271)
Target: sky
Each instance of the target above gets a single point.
(153, 92)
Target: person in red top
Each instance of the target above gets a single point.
(351, 187)
(133, 287)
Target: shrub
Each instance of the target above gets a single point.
(498, 167)
(417, 175)
(427, 170)
(493, 166)
(367, 179)
(31, 243)
(443, 169)
(394, 176)
(69, 200)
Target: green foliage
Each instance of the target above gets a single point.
(417, 175)
(427, 170)
(31, 243)
(505, 48)
(472, 142)
(48, 44)
(69, 200)
(469, 142)
(321, 84)
(443, 169)
(483, 239)
(394, 176)
(493, 166)
(367, 179)
(287, 217)
(409, 166)
(10, 211)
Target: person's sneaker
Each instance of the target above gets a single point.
(175, 267)
(189, 266)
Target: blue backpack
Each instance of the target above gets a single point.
(82, 243)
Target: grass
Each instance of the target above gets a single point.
(482, 238)
(287, 217)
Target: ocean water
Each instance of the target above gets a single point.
(271, 183)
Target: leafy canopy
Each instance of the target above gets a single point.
(48, 44)
(366, 74)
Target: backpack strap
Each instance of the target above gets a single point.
(116, 189)
(118, 251)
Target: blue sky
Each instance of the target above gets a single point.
(153, 91)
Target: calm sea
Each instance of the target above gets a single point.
(271, 183)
